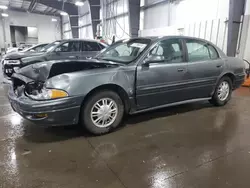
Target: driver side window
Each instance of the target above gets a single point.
(169, 51)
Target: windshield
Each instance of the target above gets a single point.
(35, 48)
(50, 46)
(125, 51)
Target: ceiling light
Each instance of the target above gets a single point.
(3, 7)
(79, 3)
(5, 15)
(64, 13)
(54, 20)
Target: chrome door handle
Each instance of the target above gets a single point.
(72, 57)
(219, 66)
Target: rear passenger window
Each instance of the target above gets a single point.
(72, 46)
(200, 51)
(91, 46)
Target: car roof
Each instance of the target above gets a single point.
(157, 38)
(86, 40)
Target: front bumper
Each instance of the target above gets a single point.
(57, 112)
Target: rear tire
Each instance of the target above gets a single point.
(102, 112)
(223, 92)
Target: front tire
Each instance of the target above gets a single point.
(223, 92)
(102, 112)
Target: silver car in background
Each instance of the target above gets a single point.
(129, 77)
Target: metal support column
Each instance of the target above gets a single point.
(94, 6)
(134, 17)
(236, 10)
(72, 11)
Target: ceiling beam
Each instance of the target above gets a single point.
(23, 10)
(32, 5)
(72, 11)
(48, 9)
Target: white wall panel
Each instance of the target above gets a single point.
(84, 9)
(199, 10)
(85, 19)
(114, 8)
(182, 12)
(212, 30)
(66, 27)
(86, 32)
(48, 31)
(156, 17)
(247, 7)
(115, 19)
(122, 27)
(67, 35)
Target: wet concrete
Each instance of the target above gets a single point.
(195, 145)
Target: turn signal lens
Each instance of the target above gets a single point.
(54, 94)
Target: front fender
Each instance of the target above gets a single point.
(82, 82)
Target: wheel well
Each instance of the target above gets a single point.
(231, 76)
(111, 87)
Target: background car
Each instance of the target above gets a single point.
(18, 49)
(59, 50)
(131, 76)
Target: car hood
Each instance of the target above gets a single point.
(45, 70)
(19, 55)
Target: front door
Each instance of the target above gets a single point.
(204, 68)
(162, 82)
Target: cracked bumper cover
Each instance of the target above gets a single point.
(58, 112)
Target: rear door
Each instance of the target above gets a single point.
(90, 49)
(67, 50)
(204, 68)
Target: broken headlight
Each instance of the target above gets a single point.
(36, 91)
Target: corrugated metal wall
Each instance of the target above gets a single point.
(205, 19)
(200, 18)
(115, 19)
(67, 32)
(85, 25)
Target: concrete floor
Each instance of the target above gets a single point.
(188, 146)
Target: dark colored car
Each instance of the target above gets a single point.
(131, 76)
(13, 58)
(63, 49)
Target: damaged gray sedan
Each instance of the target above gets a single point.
(129, 77)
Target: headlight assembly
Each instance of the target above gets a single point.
(38, 92)
(46, 94)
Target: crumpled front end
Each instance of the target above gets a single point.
(50, 112)
(44, 92)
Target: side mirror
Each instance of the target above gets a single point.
(153, 59)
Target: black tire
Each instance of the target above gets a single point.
(215, 99)
(87, 107)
